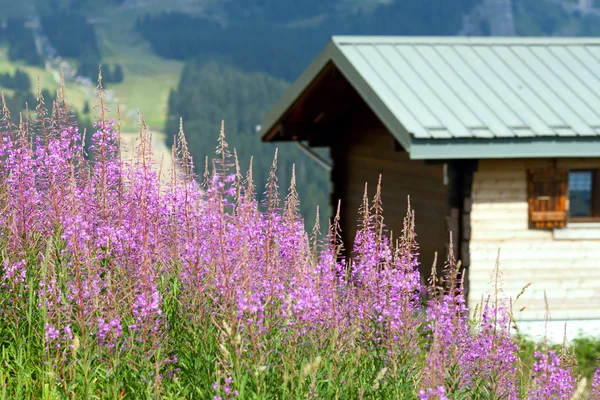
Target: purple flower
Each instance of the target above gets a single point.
(14, 272)
(68, 333)
(595, 390)
(550, 379)
(51, 333)
(431, 394)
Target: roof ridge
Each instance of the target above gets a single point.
(470, 40)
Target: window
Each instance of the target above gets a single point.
(584, 195)
(557, 196)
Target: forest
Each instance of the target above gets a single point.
(18, 81)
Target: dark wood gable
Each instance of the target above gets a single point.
(328, 100)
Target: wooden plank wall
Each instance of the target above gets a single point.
(569, 270)
(363, 150)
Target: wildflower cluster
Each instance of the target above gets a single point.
(117, 283)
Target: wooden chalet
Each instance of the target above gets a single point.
(494, 139)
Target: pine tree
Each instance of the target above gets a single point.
(22, 81)
(107, 75)
(118, 74)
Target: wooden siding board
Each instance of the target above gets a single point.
(567, 269)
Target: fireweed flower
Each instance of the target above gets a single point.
(224, 391)
(14, 274)
(433, 394)
(51, 333)
(550, 380)
(68, 333)
(595, 390)
(121, 253)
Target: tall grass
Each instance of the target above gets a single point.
(116, 285)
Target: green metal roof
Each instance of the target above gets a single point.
(465, 97)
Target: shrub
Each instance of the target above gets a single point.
(116, 284)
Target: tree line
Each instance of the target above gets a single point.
(258, 47)
(18, 81)
(20, 41)
(74, 37)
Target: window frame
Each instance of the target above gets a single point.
(595, 197)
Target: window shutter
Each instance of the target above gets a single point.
(547, 197)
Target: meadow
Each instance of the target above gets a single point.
(119, 285)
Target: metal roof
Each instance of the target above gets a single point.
(473, 97)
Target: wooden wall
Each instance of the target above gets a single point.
(569, 270)
(364, 149)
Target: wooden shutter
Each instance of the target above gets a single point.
(547, 197)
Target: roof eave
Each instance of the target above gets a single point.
(539, 147)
